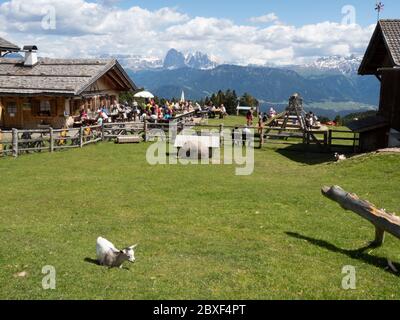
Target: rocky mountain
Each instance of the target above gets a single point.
(174, 60)
(198, 60)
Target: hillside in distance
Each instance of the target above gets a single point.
(269, 85)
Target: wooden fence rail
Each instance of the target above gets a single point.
(17, 142)
(51, 140)
(42, 140)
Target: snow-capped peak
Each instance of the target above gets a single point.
(345, 65)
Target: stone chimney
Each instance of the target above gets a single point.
(30, 56)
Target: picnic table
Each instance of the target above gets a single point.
(198, 143)
(207, 141)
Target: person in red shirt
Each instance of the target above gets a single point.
(249, 118)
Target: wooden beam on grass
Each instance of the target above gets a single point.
(382, 220)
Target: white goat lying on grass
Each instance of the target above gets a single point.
(340, 157)
(108, 255)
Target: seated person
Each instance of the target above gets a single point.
(265, 118)
(114, 109)
(83, 115)
(154, 117)
(104, 117)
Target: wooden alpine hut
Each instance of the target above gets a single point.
(37, 92)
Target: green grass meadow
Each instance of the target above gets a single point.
(203, 232)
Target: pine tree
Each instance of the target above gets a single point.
(230, 101)
(214, 99)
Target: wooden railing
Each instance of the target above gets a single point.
(350, 137)
(17, 142)
(114, 130)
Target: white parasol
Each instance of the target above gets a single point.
(144, 94)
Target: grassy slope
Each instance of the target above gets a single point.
(202, 231)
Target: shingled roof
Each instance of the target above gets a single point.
(57, 76)
(6, 45)
(384, 48)
(367, 124)
(391, 32)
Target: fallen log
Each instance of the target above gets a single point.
(128, 139)
(382, 220)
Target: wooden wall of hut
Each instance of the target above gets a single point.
(28, 113)
(390, 97)
(373, 140)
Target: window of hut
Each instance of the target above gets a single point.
(12, 109)
(26, 106)
(45, 108)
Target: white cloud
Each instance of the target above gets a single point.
(270, 17)
(91, 29)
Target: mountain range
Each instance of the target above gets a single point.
(175, 59)
(329, 66)
(329, 85)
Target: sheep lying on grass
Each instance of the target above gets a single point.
(108, 255)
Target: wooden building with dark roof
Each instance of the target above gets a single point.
(382, 59)
(35, 91)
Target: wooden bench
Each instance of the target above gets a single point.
(128, 139)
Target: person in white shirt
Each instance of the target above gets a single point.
(223, 110)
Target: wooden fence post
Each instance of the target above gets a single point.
(102, 131)
(15, 143)
(262, 138)
(221, 134)
(81, 137)
(145, 129)
(51, 140)
(1, 142)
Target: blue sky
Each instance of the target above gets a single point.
(263, 32)
(297, 12)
